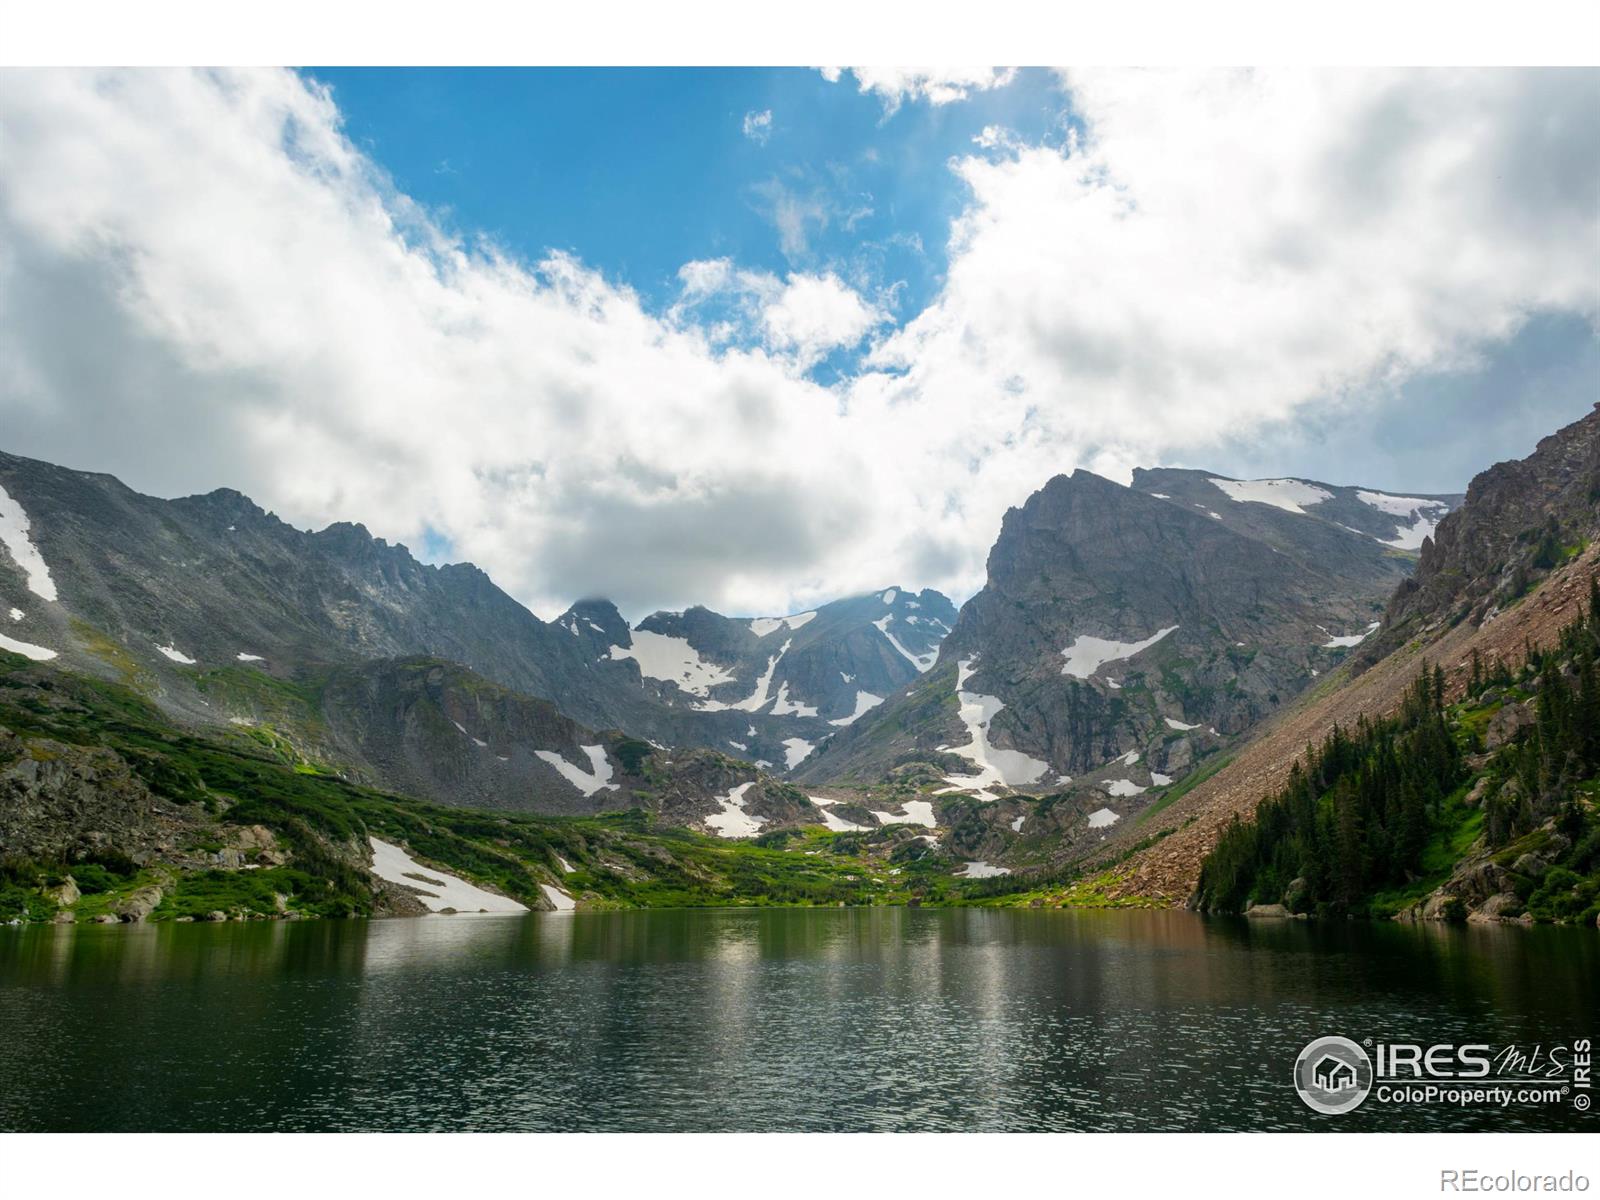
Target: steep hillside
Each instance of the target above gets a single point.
(1487, 591)
(1520, 519)
(110, 812)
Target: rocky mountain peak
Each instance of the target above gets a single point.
(1520, 519)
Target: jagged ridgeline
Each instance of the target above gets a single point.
(1369, 819)
(420, 678)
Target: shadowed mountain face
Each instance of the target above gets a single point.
(220, 611)
(1139, 622)
(1520, 519)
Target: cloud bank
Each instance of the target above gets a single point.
(204, 283)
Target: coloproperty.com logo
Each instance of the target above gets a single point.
(1335, 1075)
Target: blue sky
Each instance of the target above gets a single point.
(638, 171)
(623, 333)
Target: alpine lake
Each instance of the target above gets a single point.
(883, 1019)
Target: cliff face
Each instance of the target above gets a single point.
(1520, 519)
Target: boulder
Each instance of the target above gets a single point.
(1503, 906)
(65, 894)
(1479, 790)
(1294, 896)
(216, 914)
(1177, 757)
(1507, 724)
(1481, 880)
(1442, 906)
(139, 904)
(1530, 863)
(1267, 910)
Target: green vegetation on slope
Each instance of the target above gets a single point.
(233, 780)
(1375, 820)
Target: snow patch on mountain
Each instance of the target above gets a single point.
(1287, 494)
(17, 614)
(1349, 639)
(1179, 725)
(596, 779)
(671, 660)
(243, 657)
(1102, 818)
(757, 699)
(562, 901)
(176, 655)
(922, 662)
(1088, 654)
(796, 750)
(763, 626)
(14, 526)
(1123, 787)
(836, 824)
(785, 707)
(26, 649)
(733, 821)
(1397, 506)
(979, 869)
(865, 702)
(1424, 516)
(918, 812)
(995, 766)
(438, 890)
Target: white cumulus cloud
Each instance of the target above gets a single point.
(203, 282)
(935, 85)
(758, 126)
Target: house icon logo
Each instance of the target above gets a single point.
(1333, 1075)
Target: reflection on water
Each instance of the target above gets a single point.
(745, 1019)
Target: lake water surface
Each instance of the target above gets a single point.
(741, 1019)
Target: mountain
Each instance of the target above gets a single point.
(769, 687)
(1510, 569)
(1124, 633)
(220, 611)
(110, 811)
(1356, 533)
(1520, 519)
